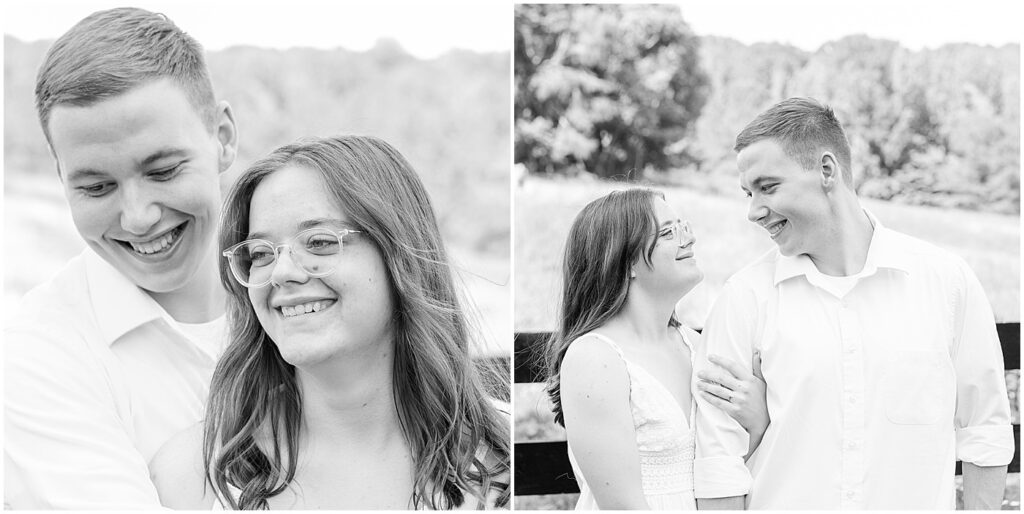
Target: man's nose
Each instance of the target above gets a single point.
(139, 211)
(757, 210)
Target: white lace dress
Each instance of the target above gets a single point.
(663, 437)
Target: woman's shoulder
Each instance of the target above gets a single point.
(593, 370)
(592, 348)
(178, 472)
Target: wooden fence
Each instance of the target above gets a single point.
(543, 467)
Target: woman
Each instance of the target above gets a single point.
(347, 382)
(620, 363)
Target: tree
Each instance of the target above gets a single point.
(606, 88)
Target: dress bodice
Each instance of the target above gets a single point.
(664, 440)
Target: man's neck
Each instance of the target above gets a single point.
(846, 245)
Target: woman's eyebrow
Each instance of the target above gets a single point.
(317, 222)
(306, 224)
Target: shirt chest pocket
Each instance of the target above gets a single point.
(918, 387)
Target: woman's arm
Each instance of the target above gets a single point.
(599, 424)
(740, 393)
(177, 470)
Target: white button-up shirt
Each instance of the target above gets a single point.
(97, 377)
(874, 390)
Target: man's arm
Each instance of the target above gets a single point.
(983, 432)
(179, 474)
(983, 486)
(730, 503)
(722, 443)
(66, 446)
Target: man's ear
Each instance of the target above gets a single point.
(227, 136)
(830, 172)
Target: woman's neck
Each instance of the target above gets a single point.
(350, 399)
(644, 317)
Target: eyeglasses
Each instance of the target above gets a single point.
(313, 250)
(675, 230)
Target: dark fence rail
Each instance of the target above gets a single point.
(543, 467)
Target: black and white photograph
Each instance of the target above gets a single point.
(396, 255)
(767, 256)
(257, 256)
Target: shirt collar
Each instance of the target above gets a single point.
(120, 305)
(883, 252)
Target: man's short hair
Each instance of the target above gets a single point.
(804, 128)
(110, 52)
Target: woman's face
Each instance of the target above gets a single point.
(349, 310)
(673, 270)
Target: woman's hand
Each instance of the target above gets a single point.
(738, 392)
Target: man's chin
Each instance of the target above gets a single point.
(161, 277)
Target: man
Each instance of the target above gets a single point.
(114, 354)
(879, 350)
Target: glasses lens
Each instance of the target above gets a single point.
(317, 248)
(252, 262)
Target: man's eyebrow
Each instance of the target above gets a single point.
(85, 173)
(163, 153)
(757, 181)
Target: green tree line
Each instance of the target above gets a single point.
(934, 127)
(449, 116)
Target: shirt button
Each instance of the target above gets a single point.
(851, 445)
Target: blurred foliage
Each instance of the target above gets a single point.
(448, 116)
(605, 88)
(931, 127)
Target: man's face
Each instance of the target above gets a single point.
(785, 199)
(140, 171)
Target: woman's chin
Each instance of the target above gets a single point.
(693, 278)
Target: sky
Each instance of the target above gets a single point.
(807, 24)
(427, 29)
(424, 29)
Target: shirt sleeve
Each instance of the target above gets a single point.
(984, 435)
(719, 470)
(67, 445)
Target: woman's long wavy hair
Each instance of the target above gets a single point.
(608, 237)
(459, 440)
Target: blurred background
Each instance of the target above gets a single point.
(607, 96)
(416, 76)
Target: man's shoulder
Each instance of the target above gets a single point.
(924, 255)
(56, 312)
(759, 275)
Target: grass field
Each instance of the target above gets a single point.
(726, 241)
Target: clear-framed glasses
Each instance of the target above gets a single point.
(313, 250)
(675, 231)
